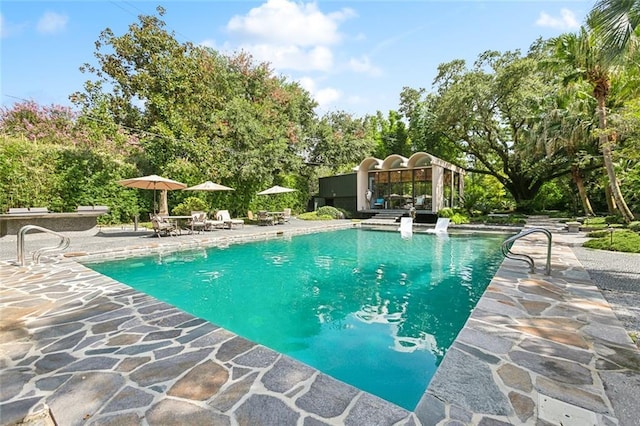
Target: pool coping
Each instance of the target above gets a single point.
(494, 372)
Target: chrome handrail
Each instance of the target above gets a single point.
(506, 250)
(64, 243)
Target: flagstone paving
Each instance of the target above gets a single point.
(86, 349)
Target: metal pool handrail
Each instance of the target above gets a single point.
(64, 243)
(506, 249)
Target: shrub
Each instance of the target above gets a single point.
(459, 218)
(634, 226)
(314, 216)
(619, 240)
(333, 212)
(446, 212)
(188, 205)
(598, 234)
(613, 219)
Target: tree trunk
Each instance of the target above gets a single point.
(605, 146)
(584, 198)
(611, 203)
(164, 206)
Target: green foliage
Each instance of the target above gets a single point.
(391, 135)
(340, 141)
(446, 212)
(620, 240)
(487, 109)
(511, 219)
(484, 193)
(456, 216)
(188, 205)
(207, 116)
(314, 216)
(613, 219)
(634, 226)
(330, 211)
(553, 195)
(459, 218)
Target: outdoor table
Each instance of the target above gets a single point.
(278, 217)
(176, 220)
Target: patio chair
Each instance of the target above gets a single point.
(198, 222)
(224, 216)
(162, 226)
(378, 203)
(287, 215)
(264, 218)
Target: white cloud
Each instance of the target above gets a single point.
(51, 23)
(208, 43)
(9, 29)
(288, 22)
(290, 35)
(566, 21)
(323, 96)
(364, 65)
(292, 57)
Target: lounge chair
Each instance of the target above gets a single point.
(441, 226)
(378, 203)
(92, 209)
(162, 226)
(224, 216)
(265, 218)
(38, 210)
(19, 210)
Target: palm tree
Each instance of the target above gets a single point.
(588, 60)
(568, 127)
(617, 20)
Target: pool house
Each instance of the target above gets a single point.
(395, 184)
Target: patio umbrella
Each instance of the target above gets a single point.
(209, 186)
(154, 182)
(276, 190)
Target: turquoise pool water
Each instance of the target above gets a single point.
(366, 307)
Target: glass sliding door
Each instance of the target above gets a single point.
(422, 188)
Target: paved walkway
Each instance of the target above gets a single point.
(537, 350)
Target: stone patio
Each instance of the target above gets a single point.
(86, 349)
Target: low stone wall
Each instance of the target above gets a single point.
(10, 224)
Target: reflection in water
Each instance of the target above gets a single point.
(369, 308)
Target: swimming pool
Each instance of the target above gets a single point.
(366, 307)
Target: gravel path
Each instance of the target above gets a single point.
(617, 275)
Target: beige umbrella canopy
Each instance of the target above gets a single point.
(276, 190)
(154, 182)
(209, 186)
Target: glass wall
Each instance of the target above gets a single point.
(423, 188)
(403, 189)
(446, 190)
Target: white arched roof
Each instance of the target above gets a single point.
(395, 161)
(369, 163)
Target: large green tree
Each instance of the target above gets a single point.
(586, 59)
(229, 117)
(618, 22)
(490, 112)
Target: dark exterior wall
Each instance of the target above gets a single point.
(338, 186)
(339, 191)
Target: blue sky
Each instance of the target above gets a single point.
(354, 56)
